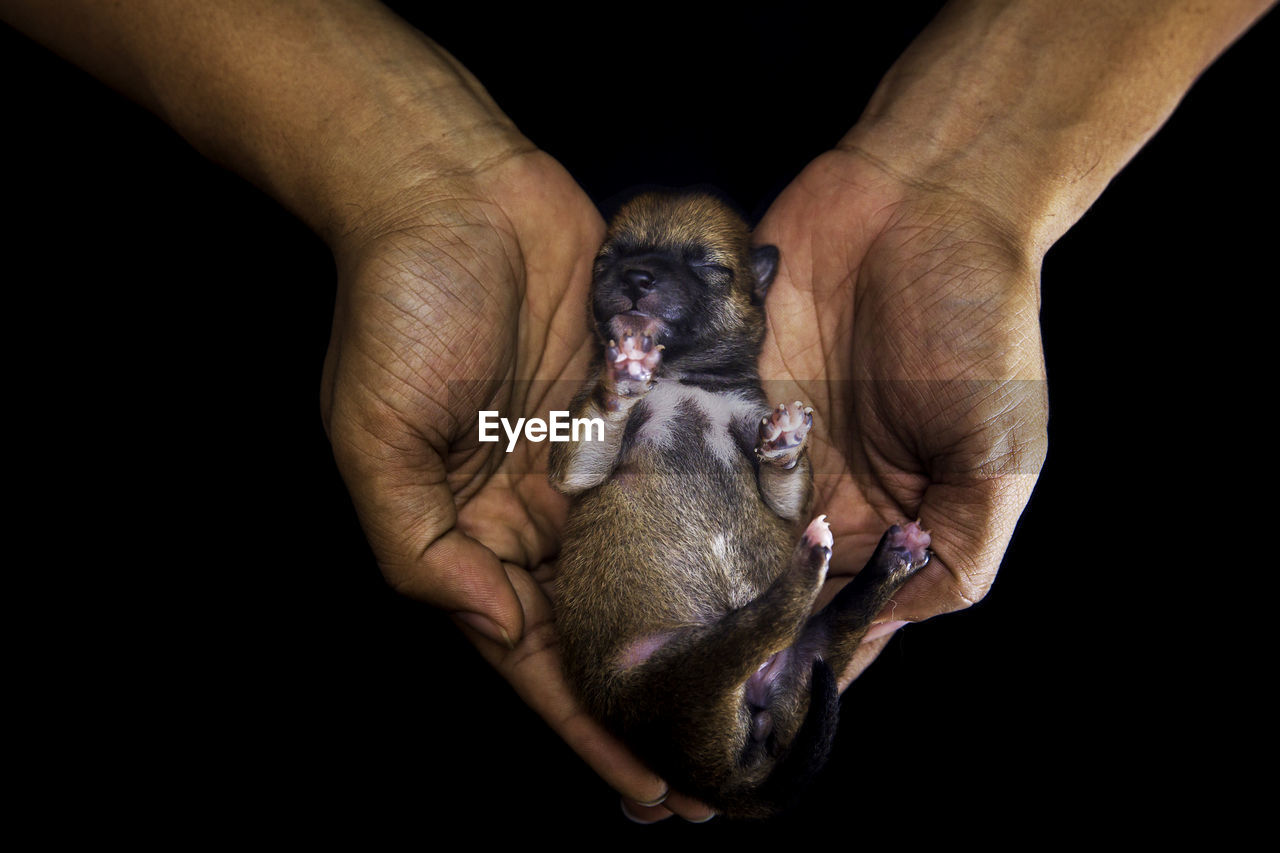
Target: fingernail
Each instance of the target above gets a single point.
(486, 626)
(884, 629)
(704, 820)
(627, 813)
(651, 803)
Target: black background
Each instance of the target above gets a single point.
(203, 644)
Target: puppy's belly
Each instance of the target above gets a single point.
(659, 547)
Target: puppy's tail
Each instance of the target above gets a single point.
(811, 747)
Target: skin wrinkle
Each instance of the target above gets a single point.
(446, 298)
(581, 272)
(537, 368)
(405, 579)
(539, 639)
(447, 261)
(995, 222)
(399, 352)
(378, 412)
(410, 538)
(877, 463)
(527, 310)
(422, 207)
(537, 540)
(427, 291)
(398, 406)
(349, 448)
(426, 327)
(567, 342)
(820, 339)
(358, 190)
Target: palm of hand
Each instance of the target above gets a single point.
(911, 326)
(474, 301)
(459, 303)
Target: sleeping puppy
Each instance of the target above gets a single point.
(689, 566)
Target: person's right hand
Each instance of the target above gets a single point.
(469, 293)
(465, 294)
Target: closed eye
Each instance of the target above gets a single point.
(713, 270)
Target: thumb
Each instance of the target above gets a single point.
(979, 486)
(970, 526)
(408, 514)
(460, 576)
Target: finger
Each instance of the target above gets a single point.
(971, 527)
(677, 804)
(866, 653)
(639, 813)
(400, 492)
(463, 577)
(694, 811)
(460, 576)
(610, 759)
(534, 671)
(880, 630)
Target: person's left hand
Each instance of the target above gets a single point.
(909, 319)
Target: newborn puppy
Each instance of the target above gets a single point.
(688, 573)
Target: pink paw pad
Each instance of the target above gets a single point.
(785, 428)
(911, 539)
(818, 533)
(634, 358)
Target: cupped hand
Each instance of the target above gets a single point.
(908, 316)
(469, 294)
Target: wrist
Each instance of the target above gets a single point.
(348, 110)
(329, 107)
(957, 117)
(1028, 110)
(380, 160)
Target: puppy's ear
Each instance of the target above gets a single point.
(764, 260)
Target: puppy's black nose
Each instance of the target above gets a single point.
(638, 281)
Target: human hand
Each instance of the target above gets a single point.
(909, 319)
(906, 308)
(470, 294)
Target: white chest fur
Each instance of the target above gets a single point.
(670, 402)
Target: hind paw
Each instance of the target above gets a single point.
(904, 550)
(818, 540)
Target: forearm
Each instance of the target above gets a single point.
(331, 107)
(1030, 108)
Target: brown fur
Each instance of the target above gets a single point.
(684, 568)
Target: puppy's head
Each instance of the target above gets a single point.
(683, 265)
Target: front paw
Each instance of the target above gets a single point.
(783, 433)
(631, 362)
